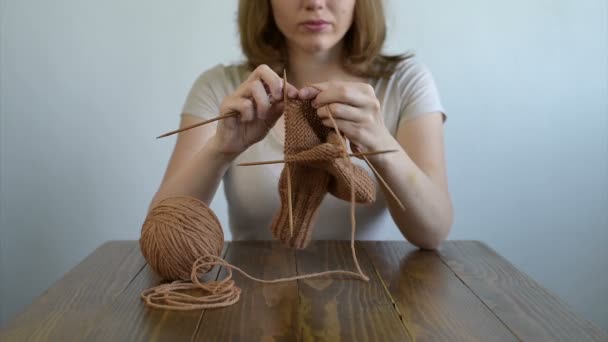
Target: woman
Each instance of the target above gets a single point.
(331, 52)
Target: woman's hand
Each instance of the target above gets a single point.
(356, 111)
(259, 102)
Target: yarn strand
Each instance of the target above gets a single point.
(224, 292)
(171, 239)
(352, 195)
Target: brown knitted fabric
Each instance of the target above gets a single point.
(312, 150)
(344, 173)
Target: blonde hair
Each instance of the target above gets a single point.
(263, 43)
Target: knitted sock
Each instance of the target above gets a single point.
(311, 149)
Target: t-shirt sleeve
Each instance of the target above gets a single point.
(419, 92)
(204, 99)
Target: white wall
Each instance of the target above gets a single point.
(85, 86)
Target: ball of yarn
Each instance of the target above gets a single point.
(176, 232)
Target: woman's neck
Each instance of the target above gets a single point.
(306, 68)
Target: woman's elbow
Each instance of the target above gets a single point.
(429, 244)
(435, 235)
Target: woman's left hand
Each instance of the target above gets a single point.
(356, 111)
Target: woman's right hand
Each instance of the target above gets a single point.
(259, 102)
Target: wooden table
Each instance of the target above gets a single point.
(463, 292)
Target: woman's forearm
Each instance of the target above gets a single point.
(199, 177)
(428, 216)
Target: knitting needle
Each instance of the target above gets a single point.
(359, 154)
(289, 199)
(220, 117)
(384, 183)
(223, 116)
(287, 164)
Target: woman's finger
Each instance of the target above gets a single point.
(245, 108)
(260, 97)
(308, 92)
(274, 114)
(341, 111)
(271, 79)
(292, 91)
(312, 90)
(347, 93)
(350, 129)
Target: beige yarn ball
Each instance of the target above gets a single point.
(176, 232)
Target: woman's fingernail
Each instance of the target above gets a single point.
(304, 92)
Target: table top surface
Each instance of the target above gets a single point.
(464, 291)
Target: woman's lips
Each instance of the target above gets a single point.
(315, 25)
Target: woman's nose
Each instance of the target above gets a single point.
(313, 5)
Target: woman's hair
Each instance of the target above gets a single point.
(263, 43)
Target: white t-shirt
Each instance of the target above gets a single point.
(252, 191)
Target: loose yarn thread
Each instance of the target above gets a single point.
(183, 231)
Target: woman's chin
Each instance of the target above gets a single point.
(317, 46)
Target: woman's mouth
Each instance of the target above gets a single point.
(315, 25)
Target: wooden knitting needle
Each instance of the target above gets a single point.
(289, 199)
(287, 164)
(223, 116)
(384, 183)
(359, 154)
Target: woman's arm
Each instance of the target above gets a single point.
(192, 170)
(417, 174)
(202, 155)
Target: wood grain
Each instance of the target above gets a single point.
(343, 308)
(529, 310)
(128, 319)
(433, 303)
(74, 301)
(465, 291)
(264, 312)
